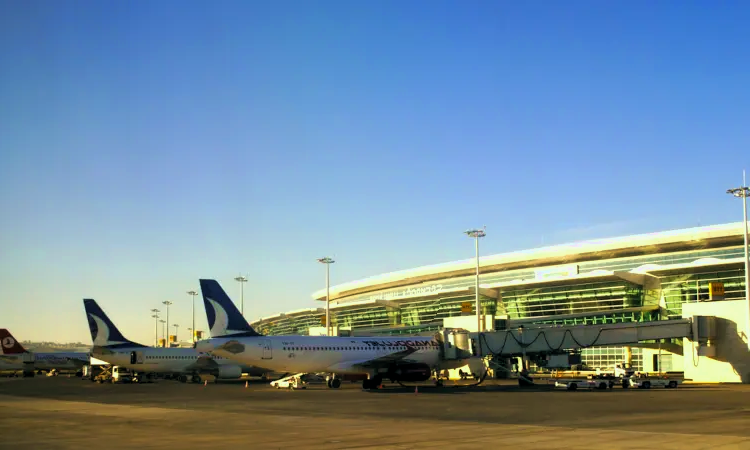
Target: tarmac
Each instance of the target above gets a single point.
(62, 413)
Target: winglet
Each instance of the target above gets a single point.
(9, 344)
(224, 319)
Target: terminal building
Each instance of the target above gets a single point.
(639, 278)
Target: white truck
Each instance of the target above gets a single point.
(290, 382)
(590, 382)
(646, 382)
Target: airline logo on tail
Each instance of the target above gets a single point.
(9, 344)
(104, 333)
(100, 331)
(220, 325)
(223, 317)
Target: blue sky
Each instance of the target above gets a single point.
(146, 144)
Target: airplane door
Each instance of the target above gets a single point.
(136, 357)
(267, 350)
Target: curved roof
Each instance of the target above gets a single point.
(607, 248)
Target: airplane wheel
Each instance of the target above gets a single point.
(335, 383)
(196, 379)
(329, 383)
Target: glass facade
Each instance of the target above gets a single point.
(576, 299)
(403, 311)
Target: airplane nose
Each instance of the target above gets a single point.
(204, 346)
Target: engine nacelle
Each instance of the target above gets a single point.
(409, 372)
(229, 372)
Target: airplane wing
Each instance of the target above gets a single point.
(373, 363)
(204, 362)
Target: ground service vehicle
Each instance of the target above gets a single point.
(573, 384)
(646, 382)
(292, 382)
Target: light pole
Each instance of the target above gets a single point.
(476, 234)
(192, 333)
(327, 261)
(156, 326)
(242, 280)
(743, 192)
(167, 303)
(163, 331)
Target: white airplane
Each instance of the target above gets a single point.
(111, 346)
(394, 358)
(13, 357)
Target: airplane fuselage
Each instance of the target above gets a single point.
(45, 360)
(167, 360)
(310, 354)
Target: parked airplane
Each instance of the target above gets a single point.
(394, 358)
(14, 357)
(111, 346)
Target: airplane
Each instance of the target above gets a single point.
(378, 358)
(112, 347)
(14, 357)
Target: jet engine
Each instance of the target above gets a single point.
(409, 372)
(229, 372)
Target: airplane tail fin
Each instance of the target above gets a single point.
(224, 319)
(8, 344)
(104, 333)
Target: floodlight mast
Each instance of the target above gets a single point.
(167, 303)
(155, 315)
(327, 261)
(192, 332)
(476, 234)
(242, 280)
(743, 192)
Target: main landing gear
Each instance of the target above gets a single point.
(333, 383)
(193, 378)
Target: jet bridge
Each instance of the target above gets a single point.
(556, 338)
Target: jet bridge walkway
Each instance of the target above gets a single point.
(555, 338)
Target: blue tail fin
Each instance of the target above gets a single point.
(104, 333)
(224, 319)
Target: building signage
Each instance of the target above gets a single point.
(466, 307)
(409, 292)
(716, 291)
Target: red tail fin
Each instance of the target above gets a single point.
(8, 344)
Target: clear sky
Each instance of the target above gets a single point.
(144, 145)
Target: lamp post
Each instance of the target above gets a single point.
(167, 303)
(242, 280)
(163, 331)
(476, 234)
(155, 315)
(327, 261)
(743, 192)
(192, 333)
